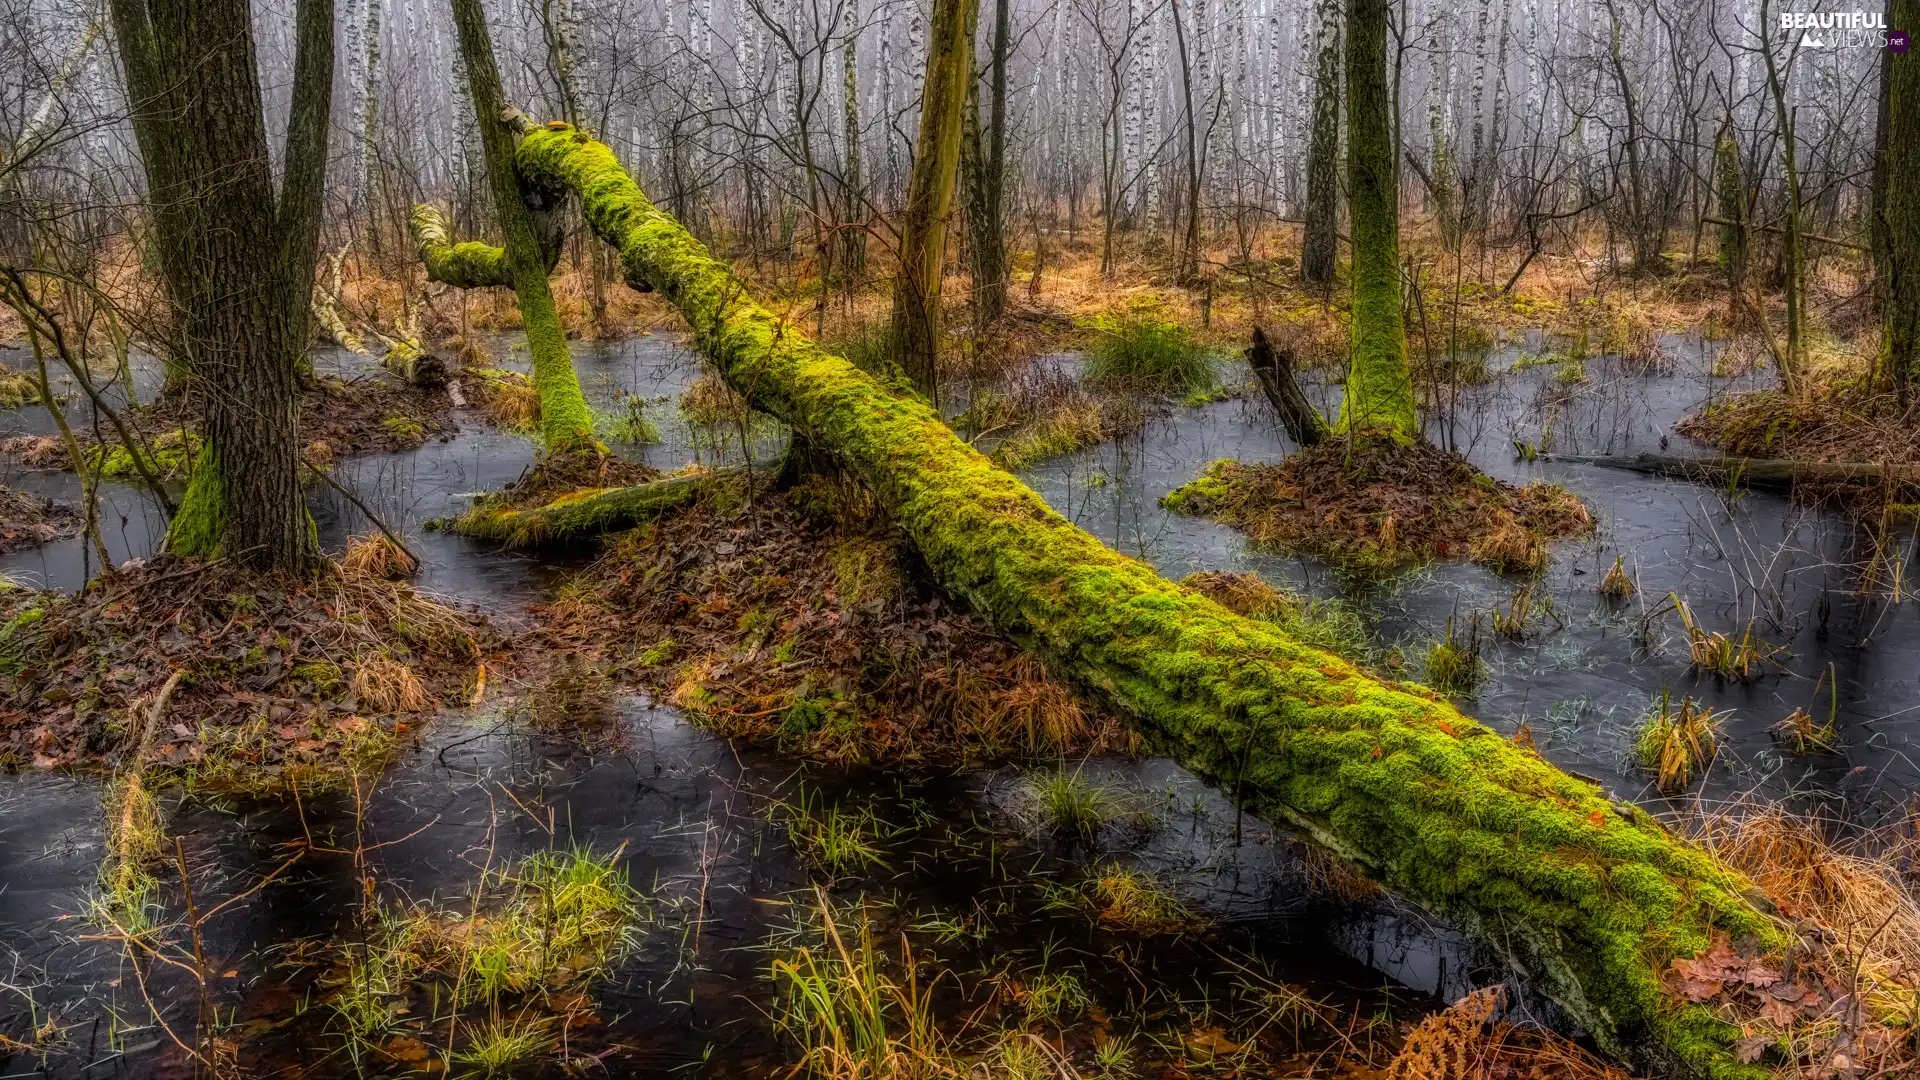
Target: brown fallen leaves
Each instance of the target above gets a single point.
(281, 678)
(796, 617)
(1471, 1040)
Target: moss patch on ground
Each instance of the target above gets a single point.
(27, 521)
(285, 681)
(1373, 507)
(797, 618)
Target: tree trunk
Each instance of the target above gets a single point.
(1791, 355)
(853, 220)
(1732, 198)
(1379, 385)
(1318, 252)
(986, 210)
(1900, 221)
(237, 256)
(936, 166)
(1591, 899)
(532, 242)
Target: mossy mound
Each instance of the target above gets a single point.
(284, 681)
(27, 521)
(796, 618)
(1842, 427)
(1374, 507)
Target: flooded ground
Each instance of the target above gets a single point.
(962, 863)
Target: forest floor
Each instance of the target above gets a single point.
(797, 618)
(228, 680)
(1371, 507)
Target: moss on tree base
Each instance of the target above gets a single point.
(1374, 507)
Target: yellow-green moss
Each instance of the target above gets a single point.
(588, 512)
(1593, 902)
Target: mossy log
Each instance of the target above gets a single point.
(1760, 474)
(470, 265)
(1589, 899)
(578, 515)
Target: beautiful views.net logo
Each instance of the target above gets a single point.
(1837, 29)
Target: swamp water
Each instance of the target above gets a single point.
(705, 828)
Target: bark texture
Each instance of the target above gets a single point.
(1274, 370)
(936, 165)
(1901, 218)
(237, 255)
(1592, 899)
(1317, 243)
(1379, 385)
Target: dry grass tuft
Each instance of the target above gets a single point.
(389, 686)
(510, 400)
(1676, 743)
(378, 556)
(1470, 1041)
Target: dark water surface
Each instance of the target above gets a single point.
(699, 819)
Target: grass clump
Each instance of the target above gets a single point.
(835, 840)
(508, 399)
(1454, 665)
(503, 1048)
(1143, 350)
(1676, 743)
(1121, 898)
(839, 1001)
(388, 685)
(1617, 585)
(628, 423)
(378, 556)
(1070, 804)
(710, 402)
(17, 388)
(553, 922)
(1718, 654)
(1800, 733)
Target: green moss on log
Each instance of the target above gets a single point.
(589, 512)
(471, 265)
(1593, 901)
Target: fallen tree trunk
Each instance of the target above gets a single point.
(1761, 474)
(1591, 901)
(579, 515)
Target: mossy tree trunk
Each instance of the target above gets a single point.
(532, 241)
(1899, 222)
(1590, 898)
(1731, 193)
(236, 254)
(1789, 357)
(936, 166)
(1318, 252)
(1379, 397)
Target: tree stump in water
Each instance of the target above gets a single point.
(1274, 368)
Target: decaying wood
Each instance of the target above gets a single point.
(1274, 369)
